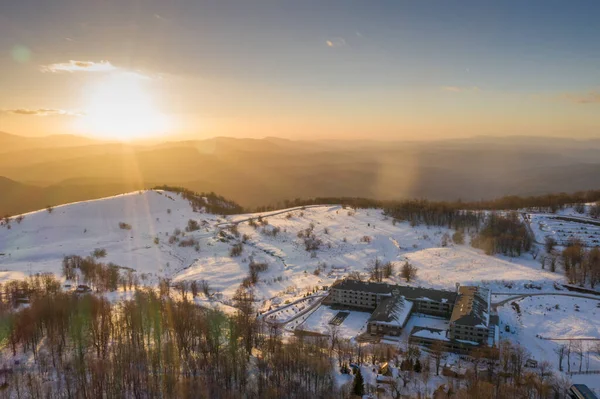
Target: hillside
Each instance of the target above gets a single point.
(42, 239)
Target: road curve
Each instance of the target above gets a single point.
(517, 296)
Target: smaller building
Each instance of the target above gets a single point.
(82, 289)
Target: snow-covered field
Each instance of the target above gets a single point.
(562, 228)
(541, 323)
(354, 324)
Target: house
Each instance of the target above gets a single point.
(81, 289)
(531, 363)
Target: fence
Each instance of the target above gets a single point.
(584, 372)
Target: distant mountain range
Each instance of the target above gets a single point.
(37, 172)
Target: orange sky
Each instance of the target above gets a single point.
(124, 70)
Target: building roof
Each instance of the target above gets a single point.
(392, 311)
(411, 293)
(472, 307)
(584, 391)
(365, 286)
(430, 333)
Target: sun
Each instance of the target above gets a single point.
(121, 107)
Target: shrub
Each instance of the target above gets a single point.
(124, 226)
(236, 250)
(192, 225)
(458, 237)
(366, 239)
(254, 269)
(233, 229)
(99, 253)
(190, 242)
(312, 243)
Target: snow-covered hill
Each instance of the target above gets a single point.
(350, 239)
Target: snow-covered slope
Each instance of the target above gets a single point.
(350, 240)
(40, 241)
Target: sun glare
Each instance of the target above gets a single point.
(121, 107)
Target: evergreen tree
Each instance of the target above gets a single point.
(417, 366)
(358, 388)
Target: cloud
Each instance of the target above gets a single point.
(161, 18)
(91, 66)
(461, 89)
(41, 112)
(591, 97)
(79, 66)
(336, 42)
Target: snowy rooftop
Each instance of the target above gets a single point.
(392, 311)
(430, 333)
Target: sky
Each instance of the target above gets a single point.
(307, 69)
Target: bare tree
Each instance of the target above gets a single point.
(438, 354)
(578, 349)
(561, 351)
(549, 244)
(569, 349)
(355, 275)
(375, 270)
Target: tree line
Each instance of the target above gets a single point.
(506, 234)
(543, 203)
(211, 202)
(154, 346)
(581, 264)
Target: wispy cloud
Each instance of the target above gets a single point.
(91, 66)
(591, 97)
(79, 66)
(336, 42)
(41, 112)
(161, 18)
(461, 89)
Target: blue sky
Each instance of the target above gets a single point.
(287, 63)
